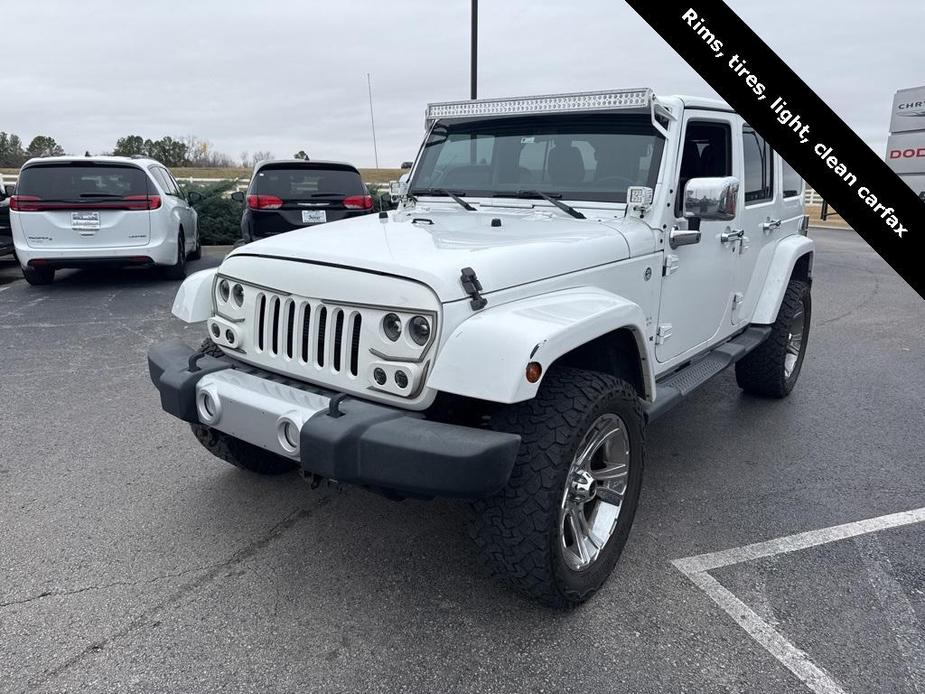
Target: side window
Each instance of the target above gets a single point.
(174, 185)
(793, 184)
(158, 175)
(759, 167)
(707, 153)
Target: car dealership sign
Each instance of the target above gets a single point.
(908, 110)
(905, 150)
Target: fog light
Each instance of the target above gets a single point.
(401, 379)
(216, 331)
(379, 376)
(291, 434)
(229, 336)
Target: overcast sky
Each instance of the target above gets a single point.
(291, 74)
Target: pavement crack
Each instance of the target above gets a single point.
(191, 586)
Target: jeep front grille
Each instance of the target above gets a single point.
(308, 332)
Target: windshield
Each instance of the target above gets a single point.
(589, 156)
(82, 181)
(297, 183)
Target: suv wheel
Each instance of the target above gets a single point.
(233, 450)
(558, 528)
(39, 275)
(177, 271)
(772, 369)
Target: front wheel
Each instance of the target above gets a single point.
(558, 528)
(773, 368)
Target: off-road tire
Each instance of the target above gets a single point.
(517, 530)
(762, 371)
(177, 271)
(38, 276)
(235, 451)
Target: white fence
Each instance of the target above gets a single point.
(810, 196)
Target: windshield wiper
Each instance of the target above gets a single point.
(568, 209)
(442, 191)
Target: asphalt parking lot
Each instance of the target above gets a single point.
(132, 561)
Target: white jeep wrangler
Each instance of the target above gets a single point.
(560, 271)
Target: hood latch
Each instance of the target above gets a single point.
(473, 287)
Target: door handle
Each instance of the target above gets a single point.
(732, 235)
(770, 225)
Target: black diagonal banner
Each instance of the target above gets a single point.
(798, 124)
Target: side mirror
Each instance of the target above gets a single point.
(9, 189)
(237, 196)
(193, 197)
(710, 199)
(406, 165)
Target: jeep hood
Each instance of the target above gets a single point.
(526, 247)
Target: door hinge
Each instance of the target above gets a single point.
(672, 263)
(662, 333)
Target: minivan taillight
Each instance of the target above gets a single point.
(24, 203)
(264, 202)
(358, 202)
(142, 202)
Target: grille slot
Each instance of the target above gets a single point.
(306, 330)
(338, 338)
(261, 317)
(290, 328)
(274, 323)
(355, 344)
(322, 329)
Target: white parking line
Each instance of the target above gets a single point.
(797, 661)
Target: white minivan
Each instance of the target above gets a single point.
(72, 212)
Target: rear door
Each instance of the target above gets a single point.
(288, 196)
(84, 204)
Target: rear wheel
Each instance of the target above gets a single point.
(558, 528)
(235, 451)
(177, 271)
(772, 369)
(39, 275)
(196, 254)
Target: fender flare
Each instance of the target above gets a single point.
(193, 302)
(487, 355)
(788, 251)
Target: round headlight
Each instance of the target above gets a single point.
(391, 326)
(237, 293)
(223, 290)
(419, 329)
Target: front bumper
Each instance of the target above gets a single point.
(352, 441)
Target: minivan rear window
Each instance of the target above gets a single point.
(301, 184)
(82, 182)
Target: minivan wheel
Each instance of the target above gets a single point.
(39, 275)
(177, 271)
(196, 253)
(556, 531)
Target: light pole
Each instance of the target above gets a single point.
(474, 52)
(372, 119)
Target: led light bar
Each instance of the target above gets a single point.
(552, 103)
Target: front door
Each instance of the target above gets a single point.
(699, 279)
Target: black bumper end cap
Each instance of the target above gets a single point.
(168, 366)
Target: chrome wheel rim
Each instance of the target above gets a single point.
(794, 342)
(594, 492)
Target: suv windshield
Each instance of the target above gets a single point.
(300, 183)
(589, 156)
(82, 182)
